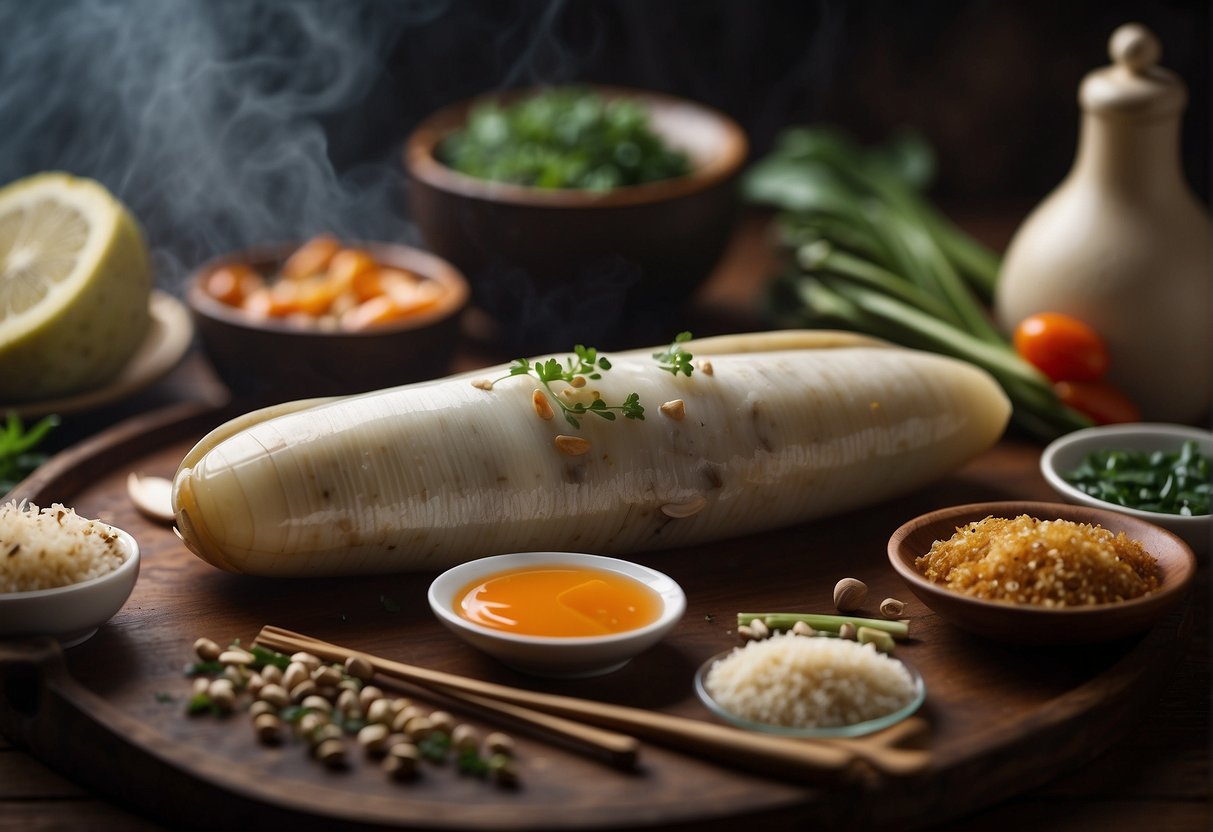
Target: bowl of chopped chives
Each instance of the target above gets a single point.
(1161, 473)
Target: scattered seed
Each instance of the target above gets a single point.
(235, 657)
(318, 704)
(891, 607)
(207, 650)
(368, 695)
(302, 691)
(849, 594)
(307, 660)
(685, 509)
(402, 761)
(572, 445)
(327, 676)
(543, 408)
(373, 738)
(331, 753)
(380, 711)
(261, 707)
(276, 695)
(676, 409)
(499, 743)
(268, 728)
(295, 673)
(465, 738)
(442, 721)
(359, 668)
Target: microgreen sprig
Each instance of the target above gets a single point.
(585, 363)
(675, 359)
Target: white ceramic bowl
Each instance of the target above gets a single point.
(72, 613)
(1066, 453)
(550, 655)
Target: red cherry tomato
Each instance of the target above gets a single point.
(1061, 347)
(1101, 401)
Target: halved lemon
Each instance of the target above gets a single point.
(74, 286)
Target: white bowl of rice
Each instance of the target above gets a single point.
(809, 687)
(61, 575)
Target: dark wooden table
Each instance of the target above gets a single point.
(1157, 777)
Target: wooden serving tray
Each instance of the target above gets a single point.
(110, 713)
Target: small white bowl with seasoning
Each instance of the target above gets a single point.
(60, 574)
(557, 614)
(1127, 468)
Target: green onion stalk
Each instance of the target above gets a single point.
(871, 254)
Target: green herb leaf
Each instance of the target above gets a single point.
(675, 359)
(573, 372)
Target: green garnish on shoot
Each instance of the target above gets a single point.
(585, 363)
(675, 359)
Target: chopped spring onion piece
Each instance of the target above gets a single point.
(1169, 482)
(826, 623)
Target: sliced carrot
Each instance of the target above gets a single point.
(231, 284)
(348, 265)
(311, 258)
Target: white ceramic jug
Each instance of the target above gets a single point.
(1122, 243)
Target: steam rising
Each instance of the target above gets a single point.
(207, 118)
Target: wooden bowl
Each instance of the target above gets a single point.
(553, 267)
(277, 360)
(1028, 624)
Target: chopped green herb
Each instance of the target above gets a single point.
(563, 137)
(1168, 482)
(435, 747)
(200, 703)
(471, 763)
(585, 363)
(263, 657)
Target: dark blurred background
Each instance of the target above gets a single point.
(233, 122)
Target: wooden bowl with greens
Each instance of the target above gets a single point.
(585, 214)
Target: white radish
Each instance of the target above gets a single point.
(789, 426)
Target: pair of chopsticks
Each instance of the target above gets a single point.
(817, 761)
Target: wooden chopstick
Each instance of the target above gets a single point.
(800, 760)
(617, 749)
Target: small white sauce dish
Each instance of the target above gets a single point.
(72, 613)
(553, 656)
(1065, 454)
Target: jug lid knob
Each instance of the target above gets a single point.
(1134, 86)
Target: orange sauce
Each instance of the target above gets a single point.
(561, 601)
